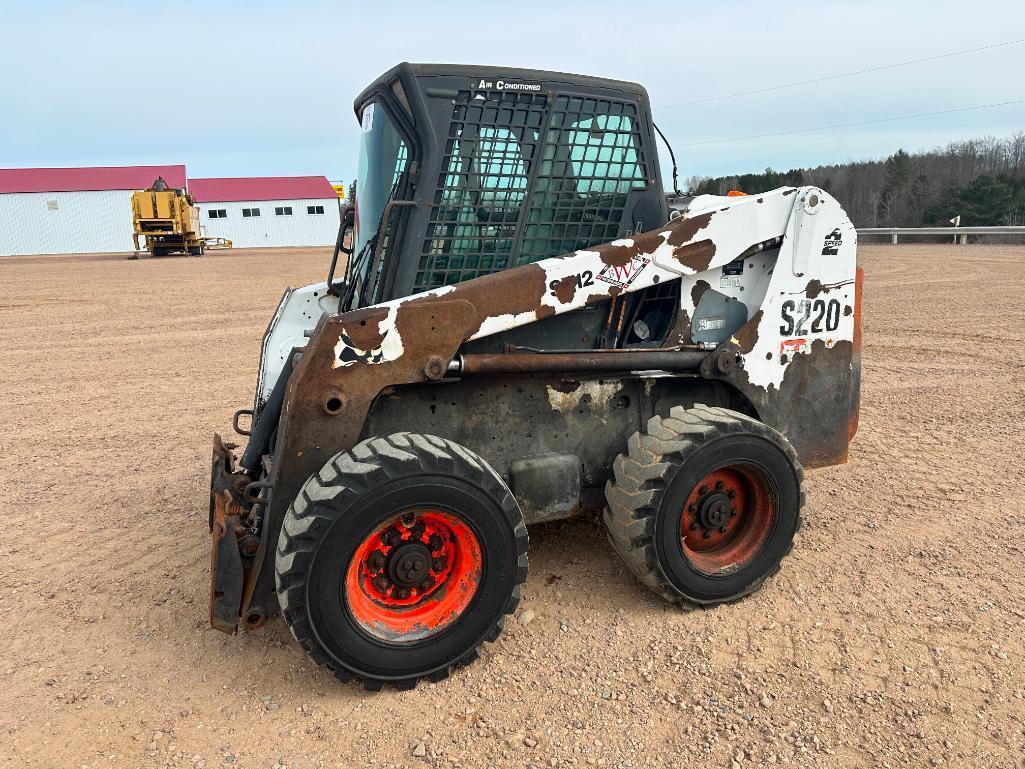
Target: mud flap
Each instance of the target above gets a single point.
(226, 576)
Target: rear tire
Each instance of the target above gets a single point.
(705, 504)
(399, 558)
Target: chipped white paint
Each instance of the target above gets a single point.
(599, 392)
(391, 340)
(734, 225)
(390, 348)
(496, 323)
(298, 312)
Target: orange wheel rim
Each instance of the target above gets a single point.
(727, 518)
(413, 576)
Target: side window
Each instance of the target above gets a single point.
(217, 213)
(282, 210)
(592, 160)
(604, 156)
(528, 176)
(479, 205)
(481, 194)
(314, 209)
(249, 212)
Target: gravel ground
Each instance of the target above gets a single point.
(891, 637)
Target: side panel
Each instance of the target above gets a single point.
(511, 420)
(794, 359)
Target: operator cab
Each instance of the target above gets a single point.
(467, 170)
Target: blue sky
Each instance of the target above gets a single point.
(255, 88)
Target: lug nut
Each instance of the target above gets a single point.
(692, 509)
(426, 585)
(732, 512)
(401, 593)
(693, 527)
(382, 583)
(435, 542)
(439, 563)
(703, 490)
(706, 534)
(376, 560)
(722, 529)
(731, 494)
(719, 485)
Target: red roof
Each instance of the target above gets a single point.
(88, 179)
(228, 190)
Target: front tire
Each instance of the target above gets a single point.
(705, 504)
(399, 558)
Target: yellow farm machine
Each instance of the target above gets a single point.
(167, 222)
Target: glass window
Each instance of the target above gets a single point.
(383, 157)
(282, 210)
(250, 212)
(217, 213)
(314, 209)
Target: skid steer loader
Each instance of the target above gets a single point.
(525, 330)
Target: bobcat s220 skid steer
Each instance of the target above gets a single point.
(524, 330)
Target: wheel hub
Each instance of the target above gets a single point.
(715, 510)
(727, 517)
(409, 563)
(413, 576)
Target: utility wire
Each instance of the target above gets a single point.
(836, 77)
(848, 125)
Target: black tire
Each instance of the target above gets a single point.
(664, 469)
(342, 506)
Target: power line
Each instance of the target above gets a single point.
(844, 74)
(848, 125)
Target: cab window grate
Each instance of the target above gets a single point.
(485, 218)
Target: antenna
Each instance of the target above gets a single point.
(672, 156)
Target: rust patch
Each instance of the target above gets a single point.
(814, 288)
(566, 288)
(698, 291)
(681, 331)
(361, 328)
(697, 256)
(684, 230)
(617, 256)
(747, 335)
(566, 386)
(544, 311)
(847, 311)
(615, 291)
(521, 290)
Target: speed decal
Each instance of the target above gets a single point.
(809, 316)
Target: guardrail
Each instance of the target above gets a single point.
(960, 233)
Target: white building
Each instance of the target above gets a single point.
(73, 210)
(268, 211)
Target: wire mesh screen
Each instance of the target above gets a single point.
(525, 179)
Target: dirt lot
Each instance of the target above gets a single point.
(892, 636)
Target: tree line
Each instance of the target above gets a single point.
(980, 180)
